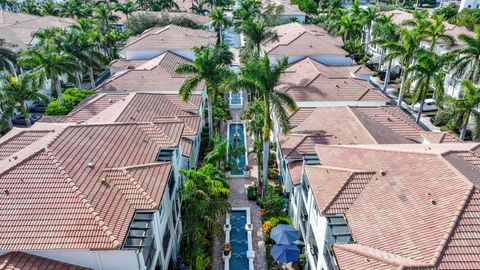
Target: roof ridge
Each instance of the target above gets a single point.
(380, 255)
(404, 119)
(342, 188)
(349, 108)
(358, 146)
(453, 225)
(79, 194)
(140, 189)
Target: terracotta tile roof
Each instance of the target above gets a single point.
(17, 29)
(81, 190)
(295, 39)
(145, 107)
(187, 146)
(24, 261)
(309, 80)
(295, 146)
(184, 12)
(388, 124)
(20, 141)
(338, 188)
(126, 64)
(171, 37)
(157, 74)
(295, 168)
(437, 222)
(399, 16)
(440, 137)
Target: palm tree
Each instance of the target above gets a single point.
(369, 15)
(426, 73)
(254, 114)
(219, 21)
(204, 202)
(206, 67)
(48, 8)
(74, 9)
(51, 64)
(7, 58)
(7, 108)
(436, 31)
(198, 8)
(30, 7)
(25, 87)
(261, 77)
(349, 28)
(126, 8)
(104, 15)
(464, 106)
(161, 5)
(385, 31)
(7, 4)
(218, 155)
(404, 49)
(85, 48)
(467, 62)
(257, 32)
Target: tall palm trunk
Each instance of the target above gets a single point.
(266, 148)
(463, 132)
(210, 117)
(387, 76)
(220, 36)
(92, 78)
(25, 114)
(58, 88)
(420, 110)
(77, 78)
(402, 85)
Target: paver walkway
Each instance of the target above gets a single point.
(238, 198)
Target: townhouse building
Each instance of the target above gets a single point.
(391, 207)
(452, 83)
(98, 196)
(177, 39)
(298, 41)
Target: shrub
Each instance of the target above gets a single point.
(273, 221)
(449, 11)
(468, 17)
(266, 227)
(272, 203)
(252, 193)
(71, 97)
(443, 117)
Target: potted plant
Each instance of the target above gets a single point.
(226, 248)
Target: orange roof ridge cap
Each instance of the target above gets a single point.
(140, 189)
(453, 225)
(381, 255)
(359, 147)
(79, 194)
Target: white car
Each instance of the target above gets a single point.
(428, 106)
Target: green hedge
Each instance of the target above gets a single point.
(71, 97)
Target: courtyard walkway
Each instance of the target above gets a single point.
(238, 198)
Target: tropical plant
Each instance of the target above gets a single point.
(254, 114)
(464, 107)
(369, 15)
(7, 4)
(218, 155)
(248, 10)
(426, 74)
(259, 77)
(7, 58)
(27, 86)
(198, 7)
(204, 195)
(75, 9)
(207, 67)
(7, 108)
(404, 49)
(104, 16)
(49, 8)
(220, 21)
(30, 7)
(72, 97)
(161, 5)
(50, 64)
(349, 28)
(257, 32)
(436, 31)
(127, 8)
(467, 62)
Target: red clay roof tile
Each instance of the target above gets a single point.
(24, 261)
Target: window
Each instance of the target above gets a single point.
(140, 237)
(166, 240)
(171, 184)
(311, 160)
(337, 232)
(165, 155)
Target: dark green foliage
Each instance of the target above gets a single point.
(449, 11)
(72, 97)
(307, 6)
(252, 192)
(468, 17)
(272, 202)
(143, 21)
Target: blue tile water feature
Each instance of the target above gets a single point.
(236, 98)
(231, 38)
(238, 240)
(237, 148)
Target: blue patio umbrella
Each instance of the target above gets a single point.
(284, 234)
(285, 253)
